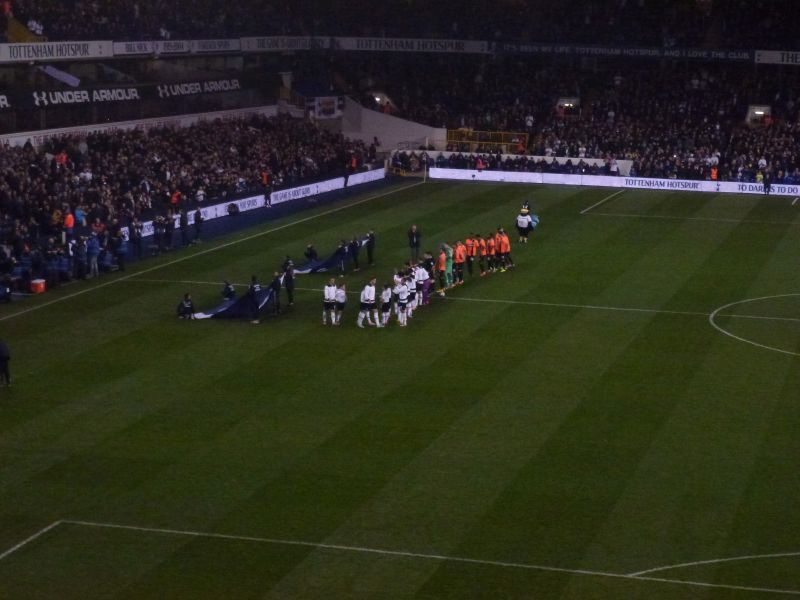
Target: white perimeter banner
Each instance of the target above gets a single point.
(380, 44)
(177, 47)
(282, 43)
(678, 185)
(304, 191)
(366, 177)
(778, 57)
(48, 51)
(217, 211)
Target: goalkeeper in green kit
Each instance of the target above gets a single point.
(448, 249)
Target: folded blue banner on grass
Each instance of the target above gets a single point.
(330, 263)
(240, 307)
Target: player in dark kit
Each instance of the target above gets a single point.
(354, 248)
(186, 307)
(341, 257)
(5, 357)
(288, 280)
(311, 253)
(276, 291)
(252, 297)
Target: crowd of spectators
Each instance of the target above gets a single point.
(687, 23)
(671, 120)
(85, 190)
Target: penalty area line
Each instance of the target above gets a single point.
(604, 200)
(429, 556)
(30, 539)
(716, 561)
(207, 251)
(700, 219)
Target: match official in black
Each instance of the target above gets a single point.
(414, 242)
(5, 356)
(371, 248)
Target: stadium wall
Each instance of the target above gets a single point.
(37, 138)
(678, 185)
(624, 165)
(360, 123)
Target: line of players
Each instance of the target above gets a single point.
(412, 285)
(492, 253)
(409, 292)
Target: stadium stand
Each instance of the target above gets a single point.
(687, 23)
(670, 120)
(105, 180)
(664, 118)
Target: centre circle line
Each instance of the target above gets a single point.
(716, 312)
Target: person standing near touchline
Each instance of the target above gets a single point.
(5, 356)
(414, 242)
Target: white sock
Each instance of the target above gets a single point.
(325, 317)
(361, 317)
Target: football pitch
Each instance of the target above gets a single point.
(617, 417)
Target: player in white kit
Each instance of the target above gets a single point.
(367, 308)
(329, 302)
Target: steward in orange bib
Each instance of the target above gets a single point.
(491, 252)
(459, 258)
(504, 250)
(472, 249)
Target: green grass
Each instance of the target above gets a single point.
(520, 420)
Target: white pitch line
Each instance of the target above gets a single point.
(793, 319)
(439, 557)
(461, 298)
(715, 561)
(582, 306)
(705, 219)
(712, 321)
(207, 251)
(795, 201)
(606, 199)
(29, 539)
(523, 302)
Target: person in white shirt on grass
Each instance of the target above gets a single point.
(340, 300)
(524, 225)
(386, 305)
(398, 277)
(367, 308)
(421, 275)
(329, 302)
(412, 294)
(401, 289)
